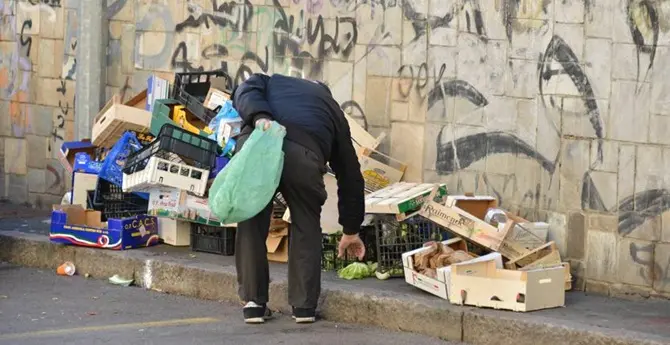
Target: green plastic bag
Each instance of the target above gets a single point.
(249, 181)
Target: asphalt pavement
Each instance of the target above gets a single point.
(40, 307)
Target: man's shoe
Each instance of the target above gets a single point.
(304, 315)
(255, 313)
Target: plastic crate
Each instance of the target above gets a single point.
(175, 144)
(162, 114)
(397, 237)
(112, 202)
(196, 84)
(159, 171)
(116, 158)
(191, 89)
(195, 106)
(211, 239)
(329, 249)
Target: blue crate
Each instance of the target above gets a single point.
(112, 166)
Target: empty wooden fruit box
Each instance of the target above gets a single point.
(116, 118)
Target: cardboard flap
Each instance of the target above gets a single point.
(93, 219)
(275, 238)
(273, 243)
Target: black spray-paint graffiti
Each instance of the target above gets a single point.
(355, 110)
(50, 3)
(638, 208)
(461, 153)
(652, 271)
(473, 18)
(233, 15)
(440, 89)
(642, 17)
(456, 88)
(288, 38)
(510, 11)
(59, 123)
(218, 52)
(559, 51)
(422, 23)
(26, 41)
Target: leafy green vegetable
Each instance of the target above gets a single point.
(372, 266)
(356, 270)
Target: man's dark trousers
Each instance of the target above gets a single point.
(303, 188)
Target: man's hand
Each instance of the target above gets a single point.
(263, 124)
(353, 245)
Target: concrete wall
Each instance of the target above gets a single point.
(37, 49)
(557, 107)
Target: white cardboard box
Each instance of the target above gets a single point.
(483, 284)
(174, 232)
(440, 286)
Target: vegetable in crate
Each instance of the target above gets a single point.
(249, 181)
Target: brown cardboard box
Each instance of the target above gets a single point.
(77, 215)
(277, 244)
(464, 215)
(379, 170)
(215, 98)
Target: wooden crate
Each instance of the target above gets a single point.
(467, 220)
(482, 284)
(402, 199)
(116, 118)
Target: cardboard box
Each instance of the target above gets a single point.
(72, 224)
(465, 217)
(116, 118)
(360, 137)
(379, 171)
(542, 257)
(439, 286)
(401, 198)
(174, 232)
(329, 211)
(157, 88)
(84, 163)
(177, 204)
(69, 149)
(277, 244)
(81, 184)
(215, 98)
(530, 235)
(483, 284)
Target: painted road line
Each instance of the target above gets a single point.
(70, 331)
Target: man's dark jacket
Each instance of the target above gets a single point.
(313, 119)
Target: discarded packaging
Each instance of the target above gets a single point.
(117, 280)
(66, 269)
